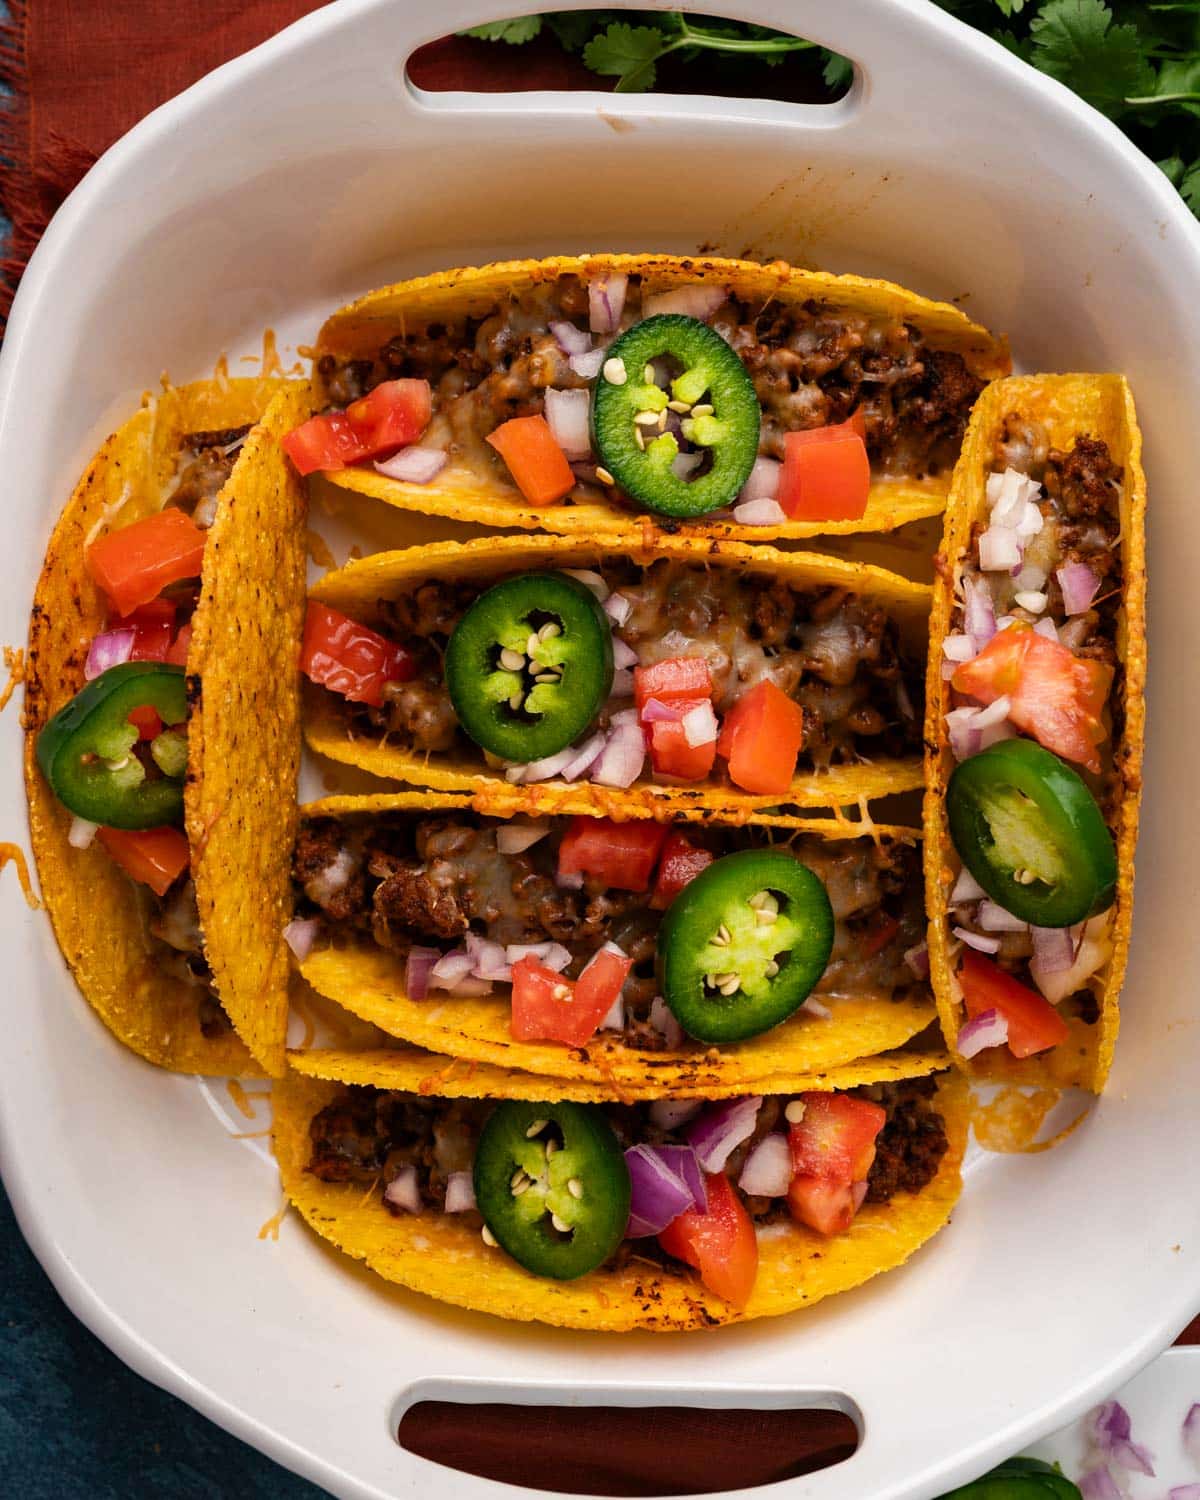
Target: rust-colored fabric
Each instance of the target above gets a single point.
(80, 74)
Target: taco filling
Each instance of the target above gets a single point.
(566, 1188)
(674, 671)
(116, 755)
(665, 937)
(1035, 688)
(596, 388)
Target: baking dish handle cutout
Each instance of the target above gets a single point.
(628, 1441)
(871, 33)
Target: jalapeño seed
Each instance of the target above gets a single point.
(511, 661)
(535, 1127)
(614, 371)
(795, 1112)
(488, 1237)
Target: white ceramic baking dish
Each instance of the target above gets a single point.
(309, 170)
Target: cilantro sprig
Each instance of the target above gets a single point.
(1138, 63)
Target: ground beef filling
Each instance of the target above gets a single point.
(175, 926)
(836, 654)
(1081, 515)
(404, 881)
(368, 1135)
(811, 365)
(206, 461)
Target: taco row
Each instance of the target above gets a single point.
(605, 892)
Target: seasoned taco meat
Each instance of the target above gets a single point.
(811, 365)
(206, 461)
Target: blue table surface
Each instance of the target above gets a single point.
(74, 1422)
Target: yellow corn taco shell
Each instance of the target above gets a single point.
(369, 982)
(356, 588)
(1068, 406)
(474, 488)
(434, 1254)
(99, 915)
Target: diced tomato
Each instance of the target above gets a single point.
(1033, 1023)
(389, 417)
(836, 1138)
(146, 721)
(1057, 697)
(878, 935)
(678, 865)
(826, 473)
(534, 459)
(154, 856)
(349, 658)
(620, 854)
(670, 753)
(720, 1243)
(134, 564)
(673, 680)
(548, 1008)
(153, 625)
(761, 739)
(828, 1207)
(177, 655)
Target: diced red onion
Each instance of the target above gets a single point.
(765, 511)
(1030, 599)
(655, 711)
(417, 968)
(569, 882)
(768, 1169)
(460, 1193)
(624, 716)
(659, 1194)
(1191, 1433)
(585, 757)
(402, 1192)
(606, 302)
(682, 1160)
(700, 725)
(590, 580)
(763, 481)
(299, 934)
(966, 888)
(515, 838)
(669, 1114)
(540, 770)
(995, 713)
(1110, 1431)
(622, 759)
(974, 729)
(696, 301)
(1031, 577)
(449, 968)
(1030, 523)
(571, 340)
(917, 959)
(721, 1129)
(1098, 1484)
(662, 1018)
(999, 550)
(988, 1029)
(614, 1016)
(976, 940)
(979, 610)
(488, 959)
(82, 833)
(813, 1007)
(624, 655)
(1184, 1492)
(1075, 632)
(470, 987)
(568, 413)
(552, 955)
(1079, 587)
(993, 918)
(1008, 494)
(1045, 626)
(414, 465)
(618, 609)
(958, 648)
(109, 649)
(1053, 950)
(588, 366)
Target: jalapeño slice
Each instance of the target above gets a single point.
(743, 943)
(529, 665)
(552, 1186)
(86, 750)
(712, 396)
(1030, 832)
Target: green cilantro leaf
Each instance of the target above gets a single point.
(1190, 188)
(1172, 168)
(838, 71)
(628, 52)
(1076, 42)
(516, 33)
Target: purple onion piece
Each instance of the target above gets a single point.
(988, 1029)
(659, 1193)
(719, 1131)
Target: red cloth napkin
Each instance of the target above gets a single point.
(80, 75)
